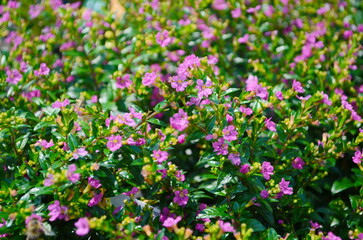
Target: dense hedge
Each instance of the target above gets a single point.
(192, 119)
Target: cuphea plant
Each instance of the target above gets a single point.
(181, 120)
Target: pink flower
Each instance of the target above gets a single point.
(235, 158)
(181, 197)
(43, 70)
(13, 76)
(56, 211)
(160, 156)
(94, 182)
(49, 181)
(124, 81)
(358, 156)
(331, 236)
(264, 194)
(220, 147)
(246, 110)
(245, 168)
(225, 226)
(80, 152)
(58, 104)
(279, 95)
(170, 222)
(73, 177)
(244, 39)
(46, 144)
(284, 187)
(267, 170)
(179, 121)
(204, 89)
(149, 79)
(95, 200)
(236, 13)
(297, 86)
(219, 5)
(163, 38)
(298, 163)
(252, 85)
(326, 99)
(229, 133)
(178, 83)
(82, 226)
(270, 125)
(114, 142)
(35, 10)
(314, 225)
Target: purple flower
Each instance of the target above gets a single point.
(133, 191)
(94, 182)
(229, 133)
(298, 163)
(245, 168)
(264, 194)
(199, 227)
(160, 156)
(252, 85)
(56, 211)
(95, 200)
(284, 187)
(204, 89)
(358, 156)
(270, 125)
(297, 86)
(314, 225)
(80, 152)
(82, 226)
(46, 144)
(35, 10)
(73, 177)
(179, 121)
(279, 95)
(326, 99)
(43, 70)
(163, 38)
(220, 147)
(236, 13)
(149, 79)
(246, 110)
(244, 39)
(219, 5)
(58, 104)
(331, 236)
(114, 142)
(323, 10)
(235, 158)
(124, 81)
(178, 83)
(181, 197)
(225, 226)
(49, 181)
(13, 76)
(267, 170)
(169, 222)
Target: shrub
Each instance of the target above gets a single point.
(181, 120)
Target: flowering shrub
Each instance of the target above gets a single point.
(181, 120)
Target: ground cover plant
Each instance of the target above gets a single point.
(181, 119)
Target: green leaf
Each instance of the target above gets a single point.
(255, 225)
(72, 142)
(160, 106)
(212, 212)
(43, 125)
(272, 234)
(156, 121)
(341, 185)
